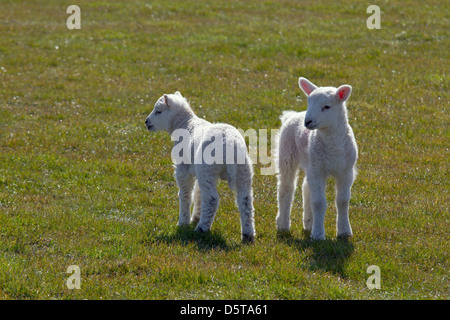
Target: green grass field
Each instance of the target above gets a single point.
(82, 182)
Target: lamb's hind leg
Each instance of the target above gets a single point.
(196, 212)
(209, 205)
(245, 204)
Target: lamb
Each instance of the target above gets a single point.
(196, 180)
(321, 143)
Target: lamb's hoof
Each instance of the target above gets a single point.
(283, 234)
(182, 224)
(317, 237)
(345, 236)
(282, 226)
(248, 238)
(283, 229)
(200, 229)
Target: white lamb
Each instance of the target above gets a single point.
(196, 178)
(321, 143)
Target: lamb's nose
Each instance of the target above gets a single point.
(307, 123)
(146, 121)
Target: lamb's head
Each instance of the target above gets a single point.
(161, 116)
(326, 105)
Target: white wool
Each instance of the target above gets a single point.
(197, 180)
(321, 143)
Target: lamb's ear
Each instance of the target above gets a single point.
(178, 94)
(168, 100)
(306, 85)
(343, 92)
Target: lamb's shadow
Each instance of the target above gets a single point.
(187, 236)
(329, 255)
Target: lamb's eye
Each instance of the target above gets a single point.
(326, 108)
(157, 112)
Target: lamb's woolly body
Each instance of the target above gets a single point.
(197, 181)
(328, 151)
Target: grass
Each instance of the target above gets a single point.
(83, 183)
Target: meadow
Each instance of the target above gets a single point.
(82, 181)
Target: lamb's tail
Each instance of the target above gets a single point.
(285, 116)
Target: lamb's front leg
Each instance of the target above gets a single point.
(343, 193)
(185, 182)
(307, 211)
(318, 200)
